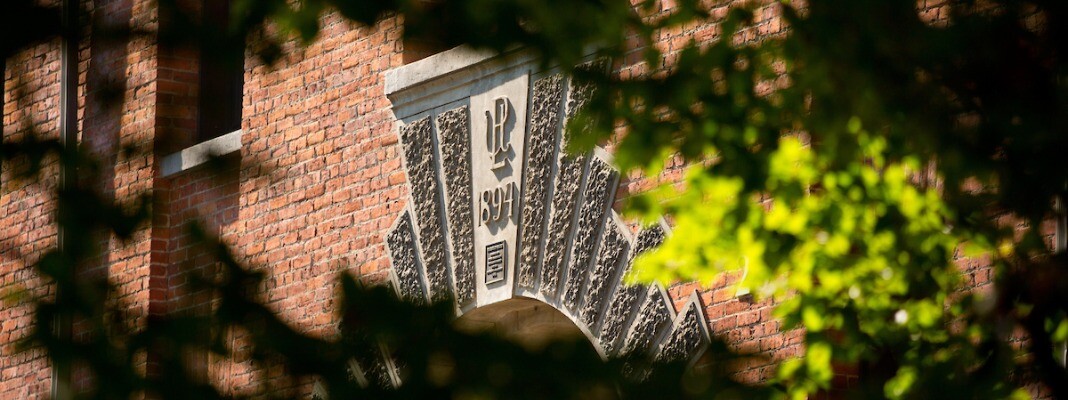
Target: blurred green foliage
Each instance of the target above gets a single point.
(843, 165)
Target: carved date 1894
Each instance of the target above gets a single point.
(497, 204)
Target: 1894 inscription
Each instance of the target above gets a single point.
(496, 204)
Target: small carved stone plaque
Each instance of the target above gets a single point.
(496, 262)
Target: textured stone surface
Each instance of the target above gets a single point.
(545, 117)
(579, 93)
(612, 252)
(653, 317)
(600, 187)
(567, 184)
(565, 195)
(426, 195)
(406, 268)
(378, 373)
(626, 298)
(648, 239)
(370, 362)
(618, 315)
(453, 126)
(686, 336)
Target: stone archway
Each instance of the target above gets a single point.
(499, 216)
(527, 322)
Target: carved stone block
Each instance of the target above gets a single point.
(653, 317)
(544, 120)
(688, 335)
(426, 196)
(610, 258)
(406, 265)
(454, 129)
(565, 196)
(600, 189)
(626, 298)
(618, 315)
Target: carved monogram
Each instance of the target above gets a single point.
(498, 136)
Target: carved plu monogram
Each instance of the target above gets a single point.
(498, 138)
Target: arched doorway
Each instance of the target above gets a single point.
(527, 322)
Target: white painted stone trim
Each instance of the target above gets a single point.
(200, 153)
(451, 76)
(459, 61)
(432, 67)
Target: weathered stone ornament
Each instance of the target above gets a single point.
(499, 210)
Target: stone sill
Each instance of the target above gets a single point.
(200, 153)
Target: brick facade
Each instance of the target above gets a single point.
(317, 182)
(27, 212)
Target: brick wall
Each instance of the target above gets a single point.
(316, 184)
(120, 135)
(30, 106)
(320, 176)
